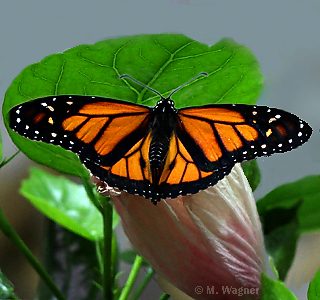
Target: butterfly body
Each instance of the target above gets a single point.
(160, 152)
(162, 125)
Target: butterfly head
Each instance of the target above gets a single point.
(165, 105)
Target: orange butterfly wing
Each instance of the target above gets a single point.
(112, 138)
(131, 173)
(210, 139)
(182, 176)
(179, 176)
(218, 136)
(97, 129)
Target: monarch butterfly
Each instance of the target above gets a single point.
(159, 152)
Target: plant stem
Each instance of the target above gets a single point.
(142, 285)
(115, 255)
(108, 276)
(164, 296)
(132, 277)
(99, 247)
(17, 241)
(91, 195)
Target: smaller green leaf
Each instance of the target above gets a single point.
(274, 290)
(252, 172)
(64, 202)
(129, 256)
(314, 288)
(7, 160)
(6, 288)
(281, 239)
(305, 193)
(286, 212)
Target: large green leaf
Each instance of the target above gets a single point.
(163, 61)
(64, 202)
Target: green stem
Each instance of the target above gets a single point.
(132, 277)
(115, 255)
(99, 247)
(142, 285)
(108, 276)
(164, 296)
(91, 195)
(17, 241)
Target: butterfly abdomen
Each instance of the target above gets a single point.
(158, 152)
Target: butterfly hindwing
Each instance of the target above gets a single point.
(131, 173)
(182, 176)
(218, 136)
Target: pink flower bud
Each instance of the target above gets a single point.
(208, 245)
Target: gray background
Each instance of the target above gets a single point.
(284, 36)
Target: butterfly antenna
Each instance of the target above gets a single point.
(140, 83)
(192, 79)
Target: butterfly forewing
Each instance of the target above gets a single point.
(92, 127)
(218, 136)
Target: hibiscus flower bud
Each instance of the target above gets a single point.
(208, 245)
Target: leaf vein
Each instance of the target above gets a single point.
(59, 78)
(163, 67)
